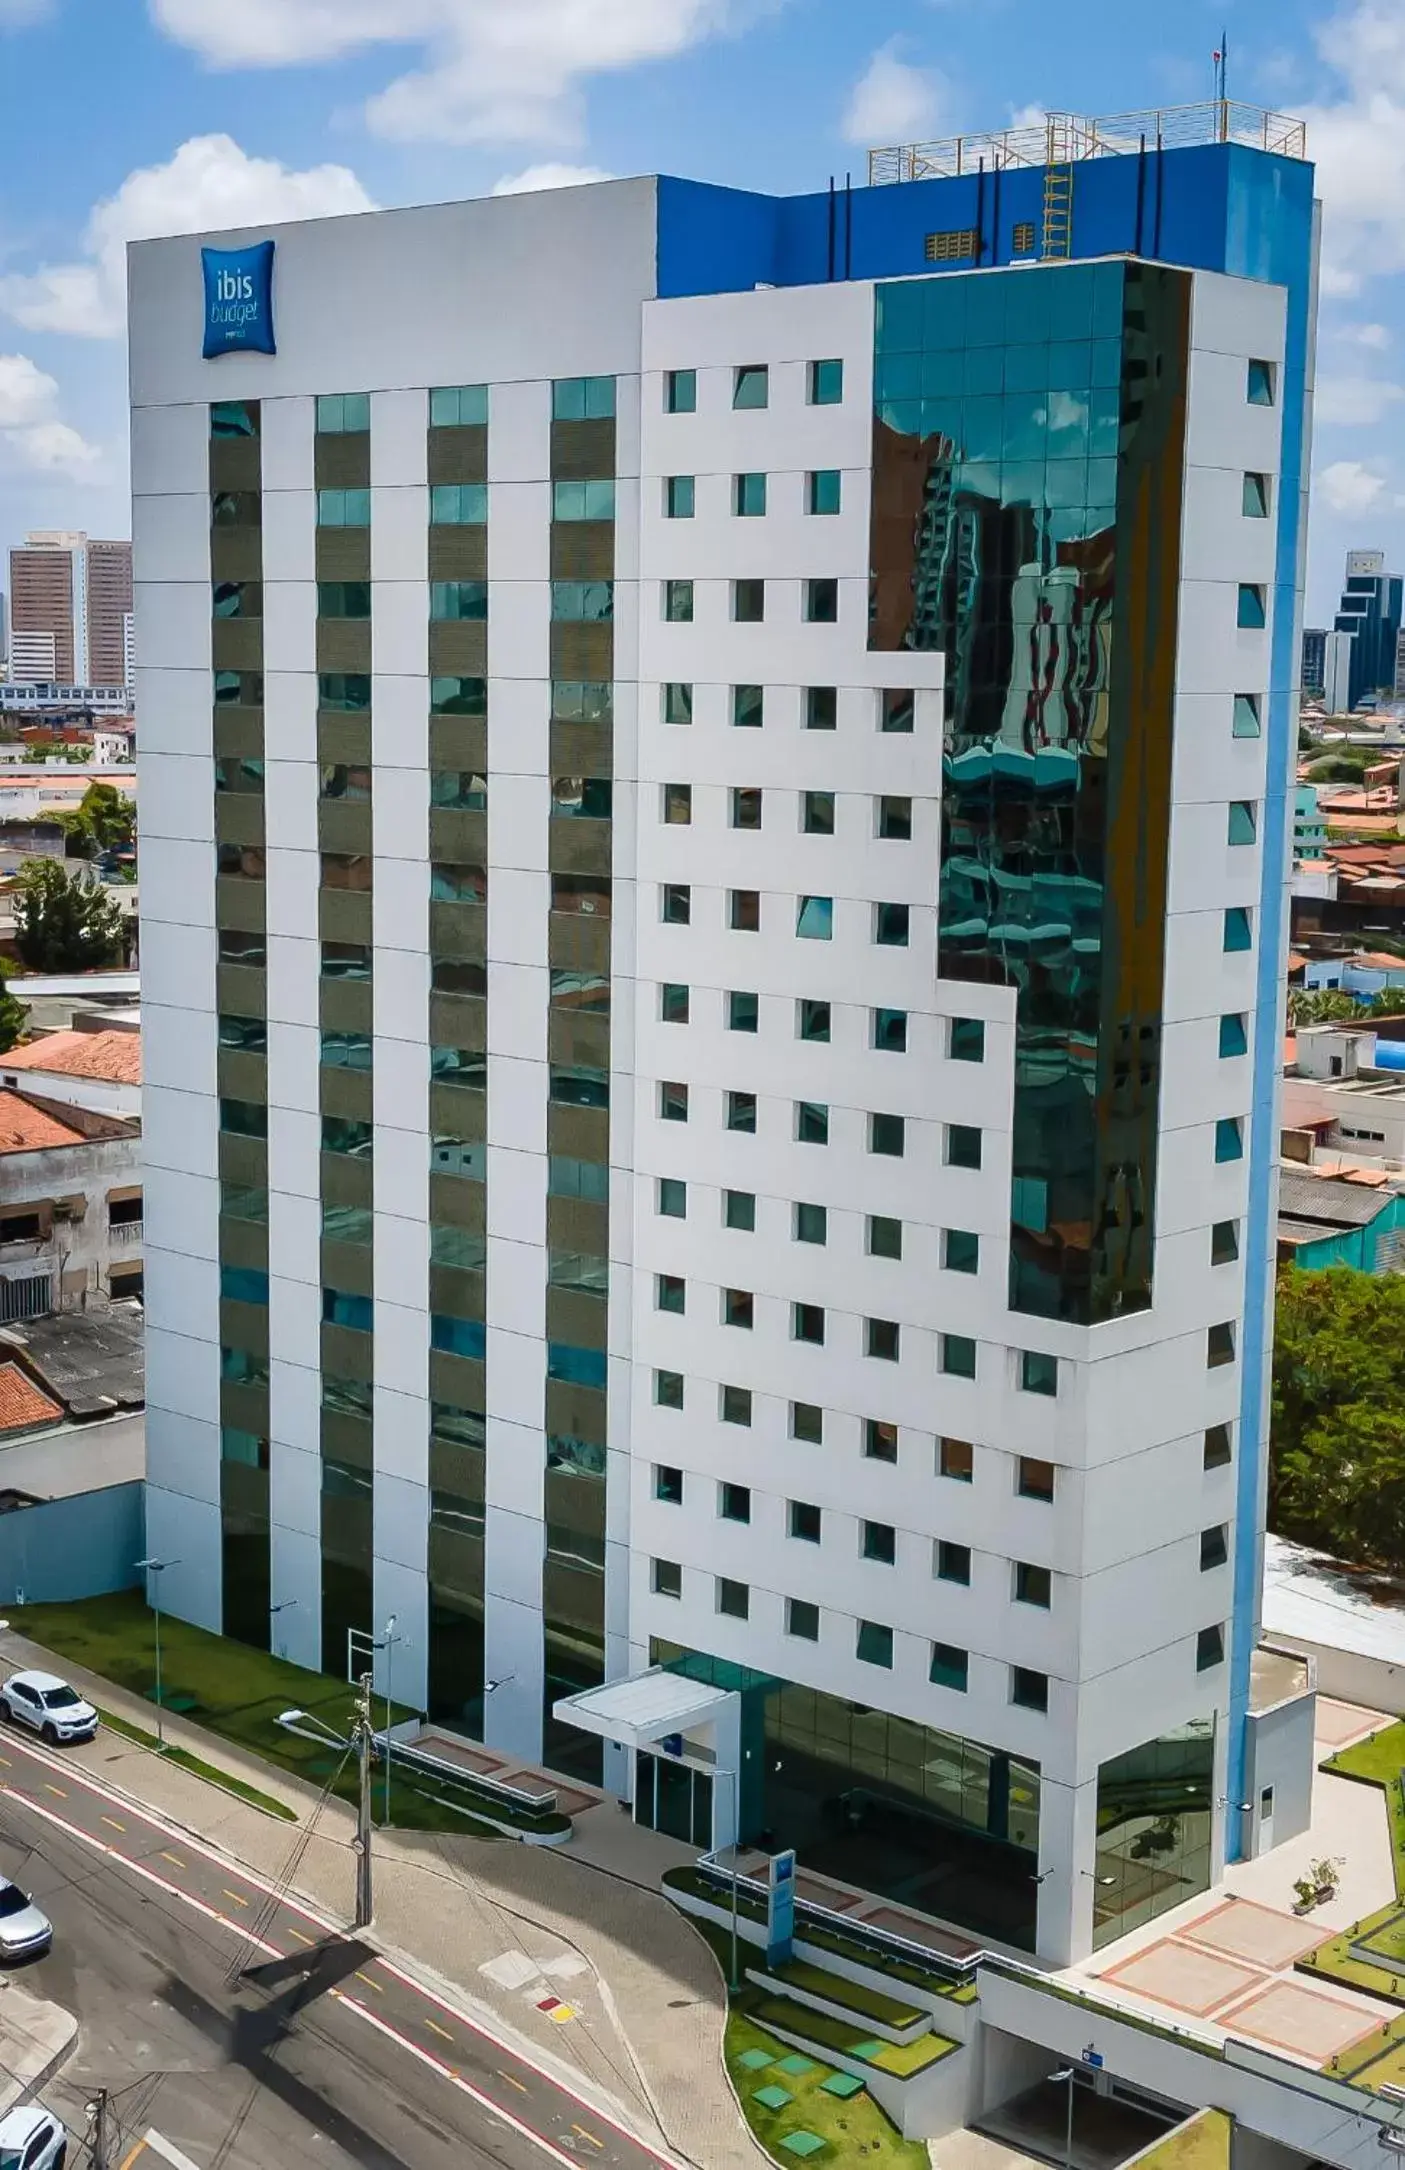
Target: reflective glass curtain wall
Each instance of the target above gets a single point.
(1029, 436)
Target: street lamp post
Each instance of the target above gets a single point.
(361, 1740)
(1063, 2076)
(388, 1641)
(154, 1570)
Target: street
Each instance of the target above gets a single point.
(245, 2029)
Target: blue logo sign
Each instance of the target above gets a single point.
(238, 300)
(780, 1907)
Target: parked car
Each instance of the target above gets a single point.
(49, 1705)
(32, 2139)
(25, 1932)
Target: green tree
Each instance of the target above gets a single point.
(13, 1013)
(1337, 1466)
(103, 820)
(64, 922)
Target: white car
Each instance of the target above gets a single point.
(25, 1932)
(32, 2139)
(50, 1706)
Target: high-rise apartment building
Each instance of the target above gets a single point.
(1369, 614)
(68, 599)
(1314, 668)
(715, 783)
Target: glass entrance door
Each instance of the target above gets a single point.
(673, 1799)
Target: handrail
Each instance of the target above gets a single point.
(959, 1971)
(1060, 139)
(532, 1804)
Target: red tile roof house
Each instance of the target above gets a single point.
(99, 1070)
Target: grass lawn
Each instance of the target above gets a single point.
(849, 2038)
(1203, 2143)
(237, 1694)
(854, 1997)
(853, 2130)
(1376, 1761)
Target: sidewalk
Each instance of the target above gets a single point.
(498, 1926)
(35, 2038)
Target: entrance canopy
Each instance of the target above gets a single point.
(640, 1712)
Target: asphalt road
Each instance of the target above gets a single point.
(245, 2029)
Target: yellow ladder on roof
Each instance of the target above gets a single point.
(1058, 211)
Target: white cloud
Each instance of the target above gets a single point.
(1375, 336)
(1349, 486)
(893, 101)
(31, 434)
(548, 176)
(1355, 401)
(209, 183)
(493, 70)
(1358, 144)
(19, 14)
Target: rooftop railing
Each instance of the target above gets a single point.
(1063, 139)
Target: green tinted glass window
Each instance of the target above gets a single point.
(343, 508)
(583, 399)
(583, 501)
(453, 405)
(341, 414)
(458, 504)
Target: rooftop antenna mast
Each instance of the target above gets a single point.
(1221, 59)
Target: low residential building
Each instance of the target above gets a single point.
(1365, 972)
(1309, 828)
(90, 1069)
(1340, 1220)
(70, 1205)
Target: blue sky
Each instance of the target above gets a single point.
(129, 117)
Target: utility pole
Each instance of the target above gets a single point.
(362, 1733)
(97, 2112)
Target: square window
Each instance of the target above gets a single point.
(1252, 610)
(814, 919)
(805, 1522)
(1224, 1243)
(733, 1598)
(949, 1667)
(890, 1031)
(678, 804)
(811, 1224)
(1218, 1451)
(749, 496)
(673, 1003)
(738, 1308)
(811, 1122)
(812, 1020)
(677, 704)
(741, 1112)
(1214, 1547)
(956, 1458)
(822, 602)
(1209, 1648)
(802, 1619)
(825, 383)
(1035, 1479)
(673, 1198)
(675, 904)
(961, 1250)
(739, 1210)
(1234, 1035)
(879, 1542)
(748, 707)
(668, 1484)
(734, 1502)
(1248, 716)
(822, 490)
(821, 708)
(668, 1389)
(883, 1340)
(897, 710)
(807, 1324)
(1033, 1585)
(958, 1356)
(678, 602)
(895, 820)
(807, 1423)
(963, 1146)
(748, 601)
(744, 911)
(1259, 390)
(746, 807)
(751, 386)
(953, 1562)
(453, 406)
(673, 1103)
(1243, 821)
(965, 1039)
(885, 1236)
(887, 1134)
(743, 1011)
(1029, 1690)
(817, 813)
(873, 1644)
(680, 391)
(1256, 493)
(880, 1441)
(665, 1578)
(890, 925)
(1039, 1374)
(670, 1292)
(582, 399)
(1219, 1346)
(678, 497)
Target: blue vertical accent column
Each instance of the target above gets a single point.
(1263, 225)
